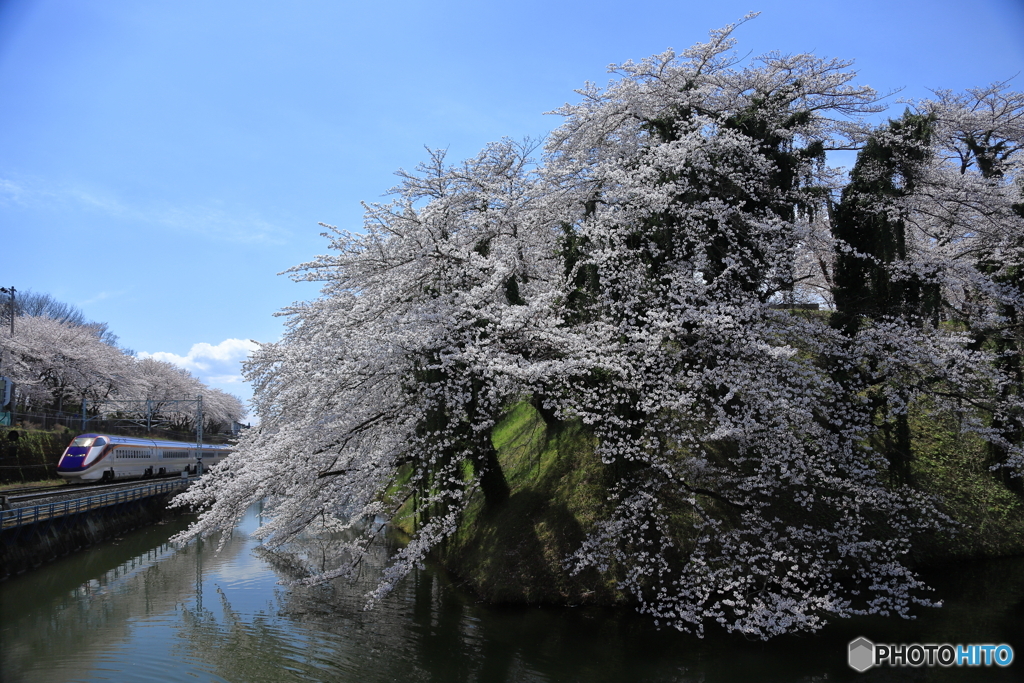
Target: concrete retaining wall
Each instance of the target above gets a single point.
(26, 547)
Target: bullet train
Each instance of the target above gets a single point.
(92, 457)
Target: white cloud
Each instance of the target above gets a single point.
(214, 365)
(226, 379)
(103, 203)
(216, 222)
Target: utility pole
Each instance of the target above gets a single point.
(199, 434)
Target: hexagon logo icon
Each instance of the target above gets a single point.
(861, 654)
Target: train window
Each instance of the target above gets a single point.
(83, 441)
(100, 441)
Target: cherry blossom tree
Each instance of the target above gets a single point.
(631, 282)
(163, 386)
(55, 362)
(431, 322)
(715, 410)
(969, 232)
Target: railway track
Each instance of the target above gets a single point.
(24, 490)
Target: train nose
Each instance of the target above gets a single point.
(77, 458)
(69, 462)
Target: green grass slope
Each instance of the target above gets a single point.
(517, 553)
(953, 467)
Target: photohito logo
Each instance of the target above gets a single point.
(863, 654)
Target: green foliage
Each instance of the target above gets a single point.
(885, 171)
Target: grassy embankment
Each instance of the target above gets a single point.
(516, 554)
(953, 467)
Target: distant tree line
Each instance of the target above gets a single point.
(57, 359)
(41, 304)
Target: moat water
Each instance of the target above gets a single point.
(140, 609)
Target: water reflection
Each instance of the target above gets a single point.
(139, 609)
(73, 615)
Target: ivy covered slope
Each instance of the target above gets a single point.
(31, 455)
(710, 453)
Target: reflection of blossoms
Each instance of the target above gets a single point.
(633, 282)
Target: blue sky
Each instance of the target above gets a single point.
(161, 162)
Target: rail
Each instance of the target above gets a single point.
(36, 513)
